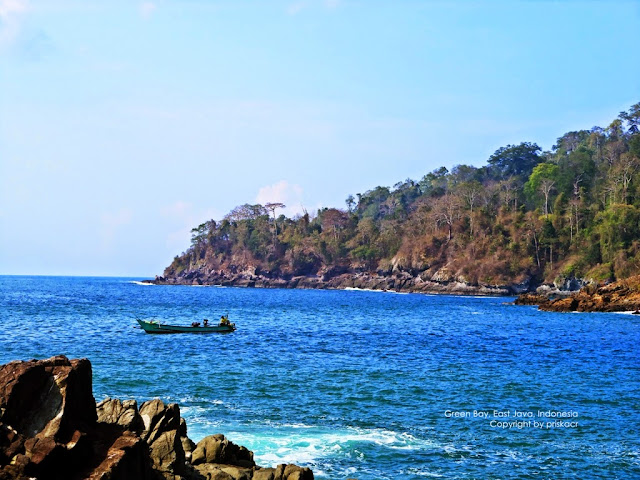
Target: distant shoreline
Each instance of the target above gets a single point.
(399, 283)
(620, 296)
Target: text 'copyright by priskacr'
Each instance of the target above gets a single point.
(521, 419)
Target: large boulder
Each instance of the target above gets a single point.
(46, 411)
(115, 412)
(217, 449)
(161, 432)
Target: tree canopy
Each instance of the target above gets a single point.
(571, 211)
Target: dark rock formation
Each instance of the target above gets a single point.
(340, 277)
(51, 428)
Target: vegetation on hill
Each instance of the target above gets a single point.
(573, 211)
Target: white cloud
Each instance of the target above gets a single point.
(283, 192)
(147, 8)
(11, 14)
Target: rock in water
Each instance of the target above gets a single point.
(51, 428)
(217, 449)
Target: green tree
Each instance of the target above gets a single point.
(542, 180)
(632, 117)
(514, 160)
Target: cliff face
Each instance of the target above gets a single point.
(436, 280)
(51, 428)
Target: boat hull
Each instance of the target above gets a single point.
(159, 328)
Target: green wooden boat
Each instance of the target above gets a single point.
(153, 326)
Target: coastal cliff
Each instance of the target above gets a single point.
(51, 428)
(344, 278)
(526, 218)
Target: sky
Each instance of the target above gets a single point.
(124, 124)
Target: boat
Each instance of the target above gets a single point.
(154, 326)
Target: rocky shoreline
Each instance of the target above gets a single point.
(564, 295)
(620, 296)
(51, 428)
(337, 278)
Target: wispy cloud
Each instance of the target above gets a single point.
(11, 16)
(147, 9)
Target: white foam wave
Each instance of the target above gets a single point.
(144, 284)
(306, 445)
(355, 289)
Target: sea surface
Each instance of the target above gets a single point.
(356, 384)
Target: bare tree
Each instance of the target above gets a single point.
(272, 208)
(546, 186)
(335, 220)
(470, 192)
(446, 209)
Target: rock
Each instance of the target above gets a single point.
(161, 431)
(620, 296)
(223, 472)
(51, 428)
(329, 273)
(531, 299)
(46, 409)
(292, 472)
(188, 445)
(217, 449)
(125, 457)
(125, 414)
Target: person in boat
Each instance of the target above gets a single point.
(205, 322)
(224, 320)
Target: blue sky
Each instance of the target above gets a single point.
(123, 124)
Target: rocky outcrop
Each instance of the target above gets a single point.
(621, 296)
(47, 413)
(440, 281)
(217, 449)
(51, 428)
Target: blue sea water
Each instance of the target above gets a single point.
(368, 385)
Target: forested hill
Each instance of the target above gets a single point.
(528, 216)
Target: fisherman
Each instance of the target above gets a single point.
(224, 320)
(206, 322)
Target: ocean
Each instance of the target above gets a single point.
(356, 384)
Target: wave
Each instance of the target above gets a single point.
(356, 289)
(137, 282)
(308, 445)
